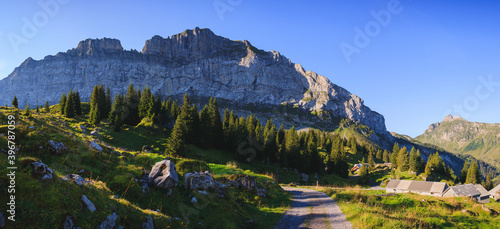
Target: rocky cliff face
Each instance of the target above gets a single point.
(460, 136)
(197, 62)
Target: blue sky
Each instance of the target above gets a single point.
(429, 59)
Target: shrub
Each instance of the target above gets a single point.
(189, 166)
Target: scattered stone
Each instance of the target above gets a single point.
(2, 220)
(42, 170)
(203, 193)
(262, 192)
(83, 128)
(247, 182)
(163, 175)
(57, 147)
(95, 133)
(304, 177)
(77, 179)
(198, 181)
(95, 146)
(81, 171)
(194, 200)
(109, 222)
(68, 224)
(147, 149)
(88, 203)
(149, 223)
(32, 127)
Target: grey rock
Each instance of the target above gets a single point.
(262, 192)
(195, 61)
(41, 170)
(147, 149)
(304, 177)
(163, 175)
(68, 224)
(149, 223)
(203, 193)
(77, 179)
(247, 182)
(95, 133)
(32, 127)
(194, 200)
(83, 128)
(198, 181)
(109, 222)
(57, 147)
(88, 203)
(95, 146)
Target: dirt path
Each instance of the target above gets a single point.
(312, 209)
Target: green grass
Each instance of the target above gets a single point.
(114, 188)
(366, 209)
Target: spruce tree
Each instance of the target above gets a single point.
(473, 174)
(37, 110)
(371, 162)
(47, 107)
(15, 103)
(62, 103)
(292, 148)
(132, 105)
(379, 154)
(463, 173)
(403, 159)
(78, 104)
(385, 156)
(207, 138)
(94, 118)
(69, 107)
(145, 102)
(414, 161)
(117, 113)
(108, 103)
(27, 111)
(182, 130)
(394, 156)
(489, 182)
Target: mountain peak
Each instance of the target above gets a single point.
(90, 46)
(450, 118)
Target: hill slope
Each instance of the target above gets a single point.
(457, 135)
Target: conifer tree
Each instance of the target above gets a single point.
(15, 103)
(94, 118)
(207, 138)
(132, 104)
(379, 154)
(403, 159)
(394, 156)
(489, 182)
(414, 160)
(69, 107)
(216, 123)
(371, 162)
(292, 147)
(27, 111)
(473, 174)
(62, 103)
(37, 110)
(463, 173)
(47, 107)
(108, 104)
(385, 156)
(363, 173)
(183, 129)
(117, 113)
(78, 104)
(145, 103)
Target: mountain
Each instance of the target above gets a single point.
(199, 63)
(459, 136)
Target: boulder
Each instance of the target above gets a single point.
(88, 203)
(247, 182)
(77, 179)
(68, 224)
(198, 181)
(41, 170)
(83, 128)
(163, 175)
(149, 223)
(95, 133)
(57, 147)
(109, 222)
(147, 149)
(95, 146)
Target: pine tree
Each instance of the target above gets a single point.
(62, 103)
(69, 107)
(132, 104)
(183, 129)
(27, 111)
(108, 104)
(403, 159)
(394, 156)
(207, 138)
(94, 118)
(371, 162)
(385, 156)
(473, 174)
(379, 154)
(353, 145)
(292, 148)
(414, 160)
(15, 102)
(78, 104)
(47, 107)
(216, 123)
(117, 113)
(145, 102)
(463, 173)
(489, 182)
(37, 110)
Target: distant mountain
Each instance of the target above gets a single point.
(199, 63)
(459, 136)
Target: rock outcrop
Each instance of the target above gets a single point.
(198, 181)
(163, 175)
(197, 62)
(41, 170)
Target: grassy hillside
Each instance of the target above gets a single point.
(373, 209)
(45, 204)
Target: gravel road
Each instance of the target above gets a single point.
(312, 209)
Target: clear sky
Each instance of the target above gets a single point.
(412, 61)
